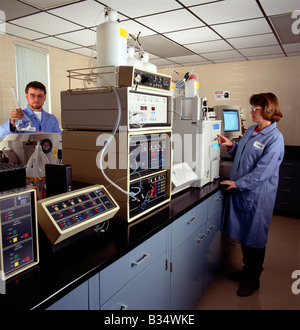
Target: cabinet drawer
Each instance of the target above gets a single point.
(187, 224)
(290, 166)
(147, 291)
(215, 203)
(123, 270)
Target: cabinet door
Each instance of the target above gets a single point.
(213, 248)
(147, 291)
(116, 275)
(187, 271)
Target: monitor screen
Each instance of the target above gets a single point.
(231, 120)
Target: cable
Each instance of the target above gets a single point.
(132, 194)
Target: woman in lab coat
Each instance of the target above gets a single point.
(252, 187)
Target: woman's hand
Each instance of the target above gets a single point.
(224, 141)
(230, 184)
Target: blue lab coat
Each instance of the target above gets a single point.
(255, 170)
(48, 123)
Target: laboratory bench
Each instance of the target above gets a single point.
(151, 257)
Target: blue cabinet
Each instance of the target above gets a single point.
(84, 297)
(170, 270)
(186, 271)
(137, 280)
(214, 255)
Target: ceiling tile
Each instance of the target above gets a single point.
(268, 50)
(84, 51)
(275, 7)
(14, 9)
(227, 11)
(58, 43)
(187, 59)
(226, 55)
(265, 57)
(133, 9)
(82, 37)
(88, 13)
(283, 26)
(162, 47)
(134, 28)
(161, 62)
(171, 21)
(292, 48)
(193, 35)
(22, 32)
(197, 2)
(46, 23)
(245, 28)
(210, 46)
(253, 41)
(46, 4)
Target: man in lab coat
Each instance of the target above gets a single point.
(253, 186)
(40, 119)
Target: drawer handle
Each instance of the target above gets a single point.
(192, 220)
(288, 164)
(211, 229)
(286, 190)
(285, 203)
(202, 238)
(220, 198)
(137, 263)
(287, 177)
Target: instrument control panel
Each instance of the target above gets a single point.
(18, 232)
(150, 190)
(65, 215)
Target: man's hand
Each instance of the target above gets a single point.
(15, 114)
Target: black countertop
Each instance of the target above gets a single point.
(61, 271)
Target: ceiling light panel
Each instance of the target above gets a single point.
(227, 11)
(133, 8)
(46, 23)
(88, 13)
(275, 7)
(245, 28)
(171, 21)
(193, 35)
(47, 4)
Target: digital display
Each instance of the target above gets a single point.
(231, 120)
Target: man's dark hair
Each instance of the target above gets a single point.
(36, 85)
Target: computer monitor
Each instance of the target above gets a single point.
(231, 120)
